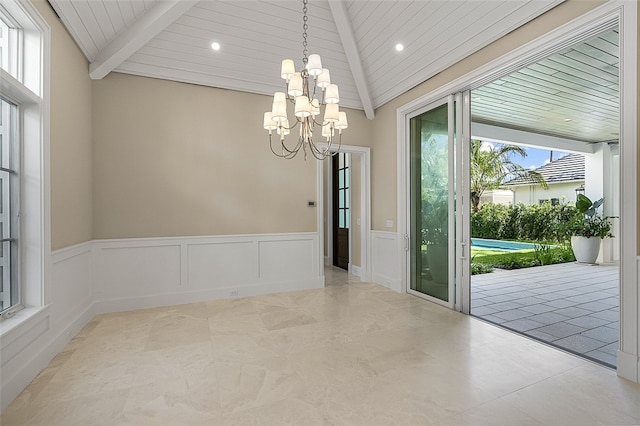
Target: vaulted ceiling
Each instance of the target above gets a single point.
(356, 39)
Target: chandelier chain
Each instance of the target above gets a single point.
(305, 27)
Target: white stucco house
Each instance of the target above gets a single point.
(563, 177)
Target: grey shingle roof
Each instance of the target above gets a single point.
(565, 169)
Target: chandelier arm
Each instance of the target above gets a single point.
(317, 123)
(320, 154)
(293, 151)
(273, 151)
(292, 127)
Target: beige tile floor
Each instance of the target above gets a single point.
(350, 354)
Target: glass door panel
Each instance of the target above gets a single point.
(432, 203)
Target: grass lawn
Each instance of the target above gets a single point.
(484, 260)
(493, 257)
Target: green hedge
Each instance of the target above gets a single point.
(521, 222)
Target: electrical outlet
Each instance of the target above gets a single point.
(233, 293)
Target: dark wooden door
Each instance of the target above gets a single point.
(341, 212)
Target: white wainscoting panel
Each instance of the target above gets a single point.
(149, 272)
(293, 258)
(30, 339)
(228, 262)
(128, 270)
(385, 259)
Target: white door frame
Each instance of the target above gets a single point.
(626, 13)
(364, 154)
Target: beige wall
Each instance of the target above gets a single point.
(174, 159)
(384, 144)
(71, 175)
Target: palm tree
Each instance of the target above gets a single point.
(492, 167)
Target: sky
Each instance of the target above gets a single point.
(535, 157)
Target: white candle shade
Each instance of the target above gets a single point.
(279, 111)
(295, 85)
(314, 65)
(288, 69)
(342, 121)
(303, 107)
(331, 113)
(324, 79)
(326, 131)
(331, 95)
(279, 97)
(269, 124)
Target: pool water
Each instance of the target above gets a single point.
(501, 245)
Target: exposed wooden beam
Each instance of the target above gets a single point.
(345, 30)
(137, 35)
(499, 134)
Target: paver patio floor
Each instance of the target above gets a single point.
(571, 305)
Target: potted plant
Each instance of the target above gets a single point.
(588, 229)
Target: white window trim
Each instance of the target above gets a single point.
(31, 94)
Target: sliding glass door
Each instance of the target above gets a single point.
(437, 244)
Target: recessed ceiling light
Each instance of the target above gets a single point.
(215, 46)
(399, 47)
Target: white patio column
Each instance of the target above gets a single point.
(599, 182)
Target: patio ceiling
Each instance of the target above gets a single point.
(573, 94)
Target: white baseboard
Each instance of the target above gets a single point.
(388, 282)
(167, 299)
(355, 270)
(628, 366)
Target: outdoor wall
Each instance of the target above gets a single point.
(497, 196)
(174, 159)
(384, 145)
(532, 194)
(71, 174)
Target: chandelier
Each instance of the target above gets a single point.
(312, 95)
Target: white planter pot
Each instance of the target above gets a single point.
(586, 249)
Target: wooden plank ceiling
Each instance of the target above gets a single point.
(572, 94)
(356, 39)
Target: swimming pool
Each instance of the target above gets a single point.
(501, 245)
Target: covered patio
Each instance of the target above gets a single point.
(572, 306)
